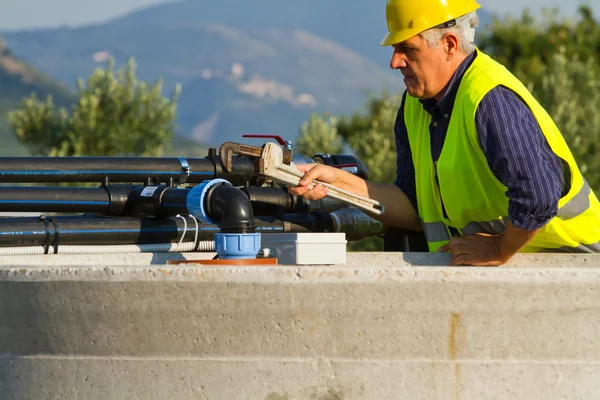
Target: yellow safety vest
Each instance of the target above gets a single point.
(474, 200)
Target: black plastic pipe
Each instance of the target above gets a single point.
(346, 162)
(112, 200)
(84, 230)
(142, 201)
(295, 222)
(234, 208)
(273, 201)
(98, 230)
(146, 170)
(54, 199)
(92, 230)
(121, 200)
(156, 201)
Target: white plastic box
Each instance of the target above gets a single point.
(306, 248)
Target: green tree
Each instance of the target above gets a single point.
(115, 115)
(370, 134)
(527, 46)
(578, 114)
(319, 135)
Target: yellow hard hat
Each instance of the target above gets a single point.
(407, 18)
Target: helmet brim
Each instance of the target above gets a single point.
(399, 36)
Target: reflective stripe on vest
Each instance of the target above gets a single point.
(435, 231)
(582, 248)
(577, 205)
(438, 232)
(495, 227)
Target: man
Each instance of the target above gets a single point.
(481, 168)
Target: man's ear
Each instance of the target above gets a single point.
(451, 44)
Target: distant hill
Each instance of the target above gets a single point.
(245, 67)
(274, 77)
(358, 25)
(18, 80)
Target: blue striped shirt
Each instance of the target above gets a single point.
(512, 141)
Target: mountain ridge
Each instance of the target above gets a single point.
(19, 80)
(265, 67)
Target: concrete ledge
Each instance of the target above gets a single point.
(358, 259)
(357, 331)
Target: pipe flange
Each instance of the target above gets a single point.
(196, 196)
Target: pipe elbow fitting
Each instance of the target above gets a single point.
(219, 203)
(232, 208)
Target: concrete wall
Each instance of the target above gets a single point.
(380, 327)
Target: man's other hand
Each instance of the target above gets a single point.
(478, 249)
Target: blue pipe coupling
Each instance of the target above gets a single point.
(227, 245)
(237, 245)
(195, 200)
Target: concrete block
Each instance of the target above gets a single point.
(356, 331)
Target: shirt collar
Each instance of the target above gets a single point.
(430, 104)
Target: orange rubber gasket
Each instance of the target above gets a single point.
(241, 262)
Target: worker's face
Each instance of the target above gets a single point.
(423, 67)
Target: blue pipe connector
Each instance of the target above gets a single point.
(196, 197)
(237, 245)
(230, 211)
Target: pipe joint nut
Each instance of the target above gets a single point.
(195, 200)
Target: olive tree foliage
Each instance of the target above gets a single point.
(319, 135)
(571, 93)
(115, 114)
(368, 134)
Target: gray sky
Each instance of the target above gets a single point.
(23, 14)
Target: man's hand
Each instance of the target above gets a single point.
(478, 249)
(312, 172)
(398, 209)
(488, 250)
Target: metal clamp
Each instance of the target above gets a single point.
(50, 222)
(185, 167)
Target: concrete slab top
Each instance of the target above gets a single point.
(360, 268)
(353, 259)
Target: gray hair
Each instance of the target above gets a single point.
(464, 29)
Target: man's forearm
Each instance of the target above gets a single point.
(513, 240)
(399, 211)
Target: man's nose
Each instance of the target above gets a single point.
(398, 60)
